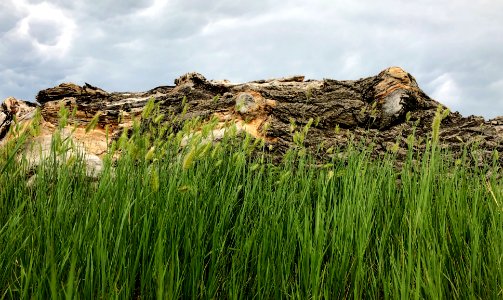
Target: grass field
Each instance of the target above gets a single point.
(216, 222)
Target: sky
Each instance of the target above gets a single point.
(454, 48)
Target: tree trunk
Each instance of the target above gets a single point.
(322, 115)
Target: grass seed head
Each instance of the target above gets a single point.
(150, 154)
(94, 121)
(188, 160)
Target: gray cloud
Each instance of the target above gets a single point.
(452, 47)
(44, 32)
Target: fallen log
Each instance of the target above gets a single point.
(322, 115)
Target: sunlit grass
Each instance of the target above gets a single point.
(213, 221)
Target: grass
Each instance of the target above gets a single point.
(213, 221)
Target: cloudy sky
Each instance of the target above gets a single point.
(454, 48)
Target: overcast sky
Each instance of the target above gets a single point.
(454, 48)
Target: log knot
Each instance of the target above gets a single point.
(245, 103)
(396, 93)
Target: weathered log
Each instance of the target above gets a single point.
(383, 110)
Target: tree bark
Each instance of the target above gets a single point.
(383, 110)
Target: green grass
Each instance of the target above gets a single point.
(211, 221)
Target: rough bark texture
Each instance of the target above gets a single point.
(383, 109)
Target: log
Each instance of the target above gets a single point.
(383, 110)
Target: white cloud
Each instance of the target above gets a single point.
(446, 91)
(45, 26)
(156, 9)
